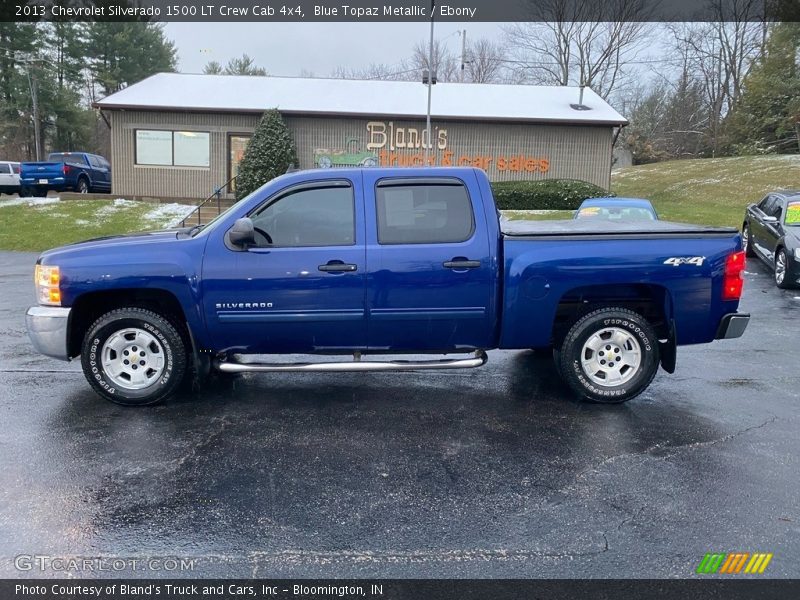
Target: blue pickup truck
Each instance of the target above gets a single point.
(378, 262)
(64, 171)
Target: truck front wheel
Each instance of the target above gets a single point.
(609, 355)
(133, 356)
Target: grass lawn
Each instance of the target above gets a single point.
(41, 223)
(709, 191)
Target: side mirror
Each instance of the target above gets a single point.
(770, 219)
(242, 233)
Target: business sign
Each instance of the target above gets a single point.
(405, 147)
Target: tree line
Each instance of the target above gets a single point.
(66, 66)
(723, 87)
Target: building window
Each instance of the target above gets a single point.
(172, 148)
(237, 144)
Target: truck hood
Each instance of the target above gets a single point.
(110, 242)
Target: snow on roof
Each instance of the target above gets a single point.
(396, 99)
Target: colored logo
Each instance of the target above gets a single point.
(734, 562)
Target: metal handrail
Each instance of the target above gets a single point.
(216, 194)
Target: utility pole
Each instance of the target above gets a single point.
(463, 53)
(430, 88)
(34, 100)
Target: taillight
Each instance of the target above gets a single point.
(66, 169)
(733, 279)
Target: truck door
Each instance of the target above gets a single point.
(429, 270)
(301, 289)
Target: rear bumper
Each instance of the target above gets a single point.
(732, 326)
(47, 328)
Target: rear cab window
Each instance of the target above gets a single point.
(423, 213)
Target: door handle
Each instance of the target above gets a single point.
(337, 266)
(462, 264)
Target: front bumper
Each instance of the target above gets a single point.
(732, 326)
(47, 328)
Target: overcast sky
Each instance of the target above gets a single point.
(289, 48)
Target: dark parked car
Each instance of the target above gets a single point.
(771, 231)
(78, 171)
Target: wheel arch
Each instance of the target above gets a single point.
(88, 307)
(652, 301)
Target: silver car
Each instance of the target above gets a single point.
(9, 177)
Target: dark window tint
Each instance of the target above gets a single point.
(774, 206)
(5, 169)
(423, 214)
(68, 157)
(310, 217)
(94, 162)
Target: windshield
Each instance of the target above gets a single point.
(613, 213)
(792, 214)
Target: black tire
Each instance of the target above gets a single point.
(172, 348)
(572, 351)
(789, 277)
(83, 186)
(25, 192)
(747, 240)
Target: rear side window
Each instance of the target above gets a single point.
(5, 168)
(423, 213)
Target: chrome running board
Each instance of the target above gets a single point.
(477, 360)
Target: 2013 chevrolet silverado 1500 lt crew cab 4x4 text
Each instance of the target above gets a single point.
(385, 261)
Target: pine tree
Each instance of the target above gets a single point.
(122, 54)
(270, 153)
(767, 117)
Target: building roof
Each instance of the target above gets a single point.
(350, 97)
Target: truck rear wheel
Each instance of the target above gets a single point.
(609, 355)
(133, 356)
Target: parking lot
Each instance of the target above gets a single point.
(495, 472)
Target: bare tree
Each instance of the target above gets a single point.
(721, 52)
(484, 61)
(445, 65)
(379, 71)
(569, 44)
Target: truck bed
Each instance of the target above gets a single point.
(580, 228)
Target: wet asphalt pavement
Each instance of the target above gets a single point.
(494, 472)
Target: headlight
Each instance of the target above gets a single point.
(47, 285)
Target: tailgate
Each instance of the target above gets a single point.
(42, 170)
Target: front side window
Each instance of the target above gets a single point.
(423, 214)
(323, 216)
(172, 148)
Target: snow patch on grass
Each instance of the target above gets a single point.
(29, 201)
(169, 215)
